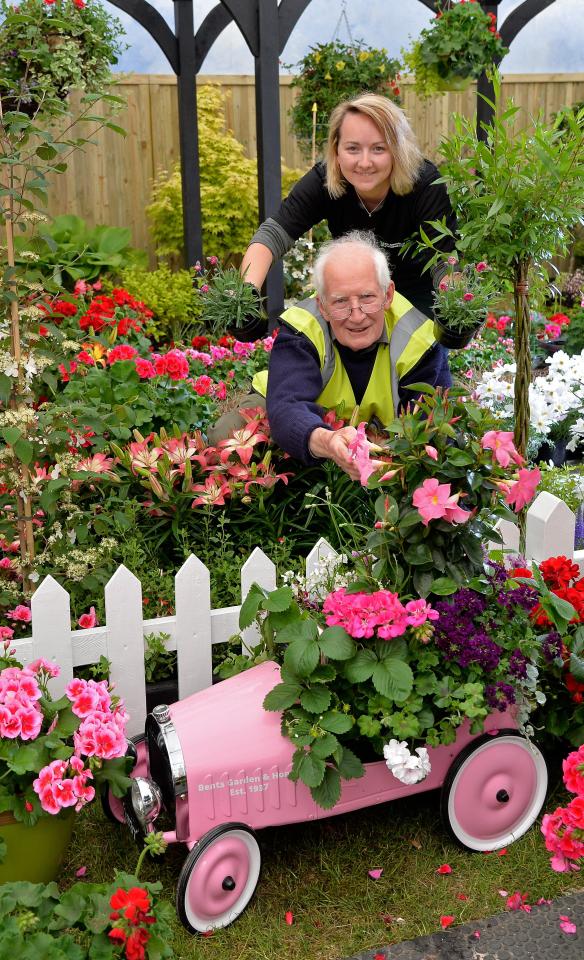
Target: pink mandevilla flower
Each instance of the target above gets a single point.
(434, 501)
(359, 452)
(501, 443)
(522, 491)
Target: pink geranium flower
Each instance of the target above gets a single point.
(20, 613)
(503, 447)
(88, 620)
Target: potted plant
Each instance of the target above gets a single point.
(122, 920)
(459, 45)
(391, 664)
(498, 208)
(49, 47)
(335, 71)
(231, 305)
(462, 303)
(160, 670)
(54, 753)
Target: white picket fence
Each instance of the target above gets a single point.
(195, 627)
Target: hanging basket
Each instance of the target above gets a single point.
(454, 339)
(453, 83)
(34, 853)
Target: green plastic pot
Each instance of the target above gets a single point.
(34, 853)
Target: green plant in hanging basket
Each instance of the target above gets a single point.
(50, 48)
(461, 42)
(332, 72)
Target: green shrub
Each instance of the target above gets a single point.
(67, 250)
(229, 195)
(171, 298)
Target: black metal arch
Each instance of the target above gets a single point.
(266, 28)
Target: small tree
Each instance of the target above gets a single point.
(516, 197)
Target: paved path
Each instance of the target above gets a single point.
(512, 935)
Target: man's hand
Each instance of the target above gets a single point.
(334, 445)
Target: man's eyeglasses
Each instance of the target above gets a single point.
(342, 308)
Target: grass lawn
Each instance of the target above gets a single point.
(319, 872)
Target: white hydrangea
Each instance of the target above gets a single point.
(404, 765)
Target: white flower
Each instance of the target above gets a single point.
(404, 765)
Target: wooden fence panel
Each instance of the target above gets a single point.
(111, 182)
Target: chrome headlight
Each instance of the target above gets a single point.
(146, 800)
(167, 765)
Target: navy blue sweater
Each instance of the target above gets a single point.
(295, 382)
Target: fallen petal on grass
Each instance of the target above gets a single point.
(376, 873)
(462, 896)
(289, 918)
(81, 872)
(502, 853)
(446, 921)
(444, 869)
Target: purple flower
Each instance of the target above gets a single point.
(551, 647)
(518, 665)
(499, 695)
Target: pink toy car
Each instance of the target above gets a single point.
(219, 765)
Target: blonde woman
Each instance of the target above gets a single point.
(374, 179)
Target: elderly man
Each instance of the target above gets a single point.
(358, 343)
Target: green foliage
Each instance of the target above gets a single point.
(565, 482)
(38, 920)
(332, 72)
(228, 189)
(67, 250)
(574, 333)
(228, 302)
(459, 45)
(517, 194)
(169, 294)
(159, 662)
(46, 50)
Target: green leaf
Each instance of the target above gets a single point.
(296, 629)
(336, 643)
(250, 606)
(323, 747)
(460, 458)
(311, 769)
(24, 450)
(361, 667)
(444, 586)
(418, 554)
(577, 667)
(336, 722)
(302, 656)
(283, 695)
(315, 699)
(278, 600)
(350, 767)
(393, 679)
(329, 790)
(11, 435)
(423, 580)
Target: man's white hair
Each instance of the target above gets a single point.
(360, 241)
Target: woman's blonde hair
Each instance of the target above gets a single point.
(397, 133)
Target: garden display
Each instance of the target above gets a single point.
(462, 302)
(417, 650)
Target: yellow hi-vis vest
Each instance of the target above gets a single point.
(409, 334)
